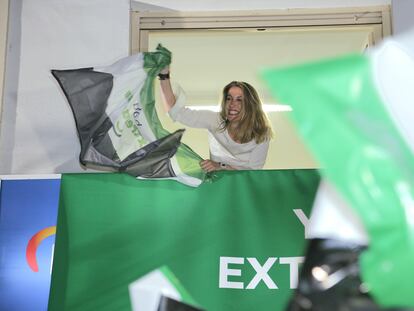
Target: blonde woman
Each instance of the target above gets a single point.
(239, 134)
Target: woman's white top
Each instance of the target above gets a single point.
(223, 148)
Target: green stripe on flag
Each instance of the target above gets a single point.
(187, 159)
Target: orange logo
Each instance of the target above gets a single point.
(33, 245)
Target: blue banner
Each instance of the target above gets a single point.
(28, 213)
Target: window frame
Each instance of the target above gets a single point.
(4, 6)
(376, 18)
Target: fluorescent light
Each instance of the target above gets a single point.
(266, 107)
(276, 107)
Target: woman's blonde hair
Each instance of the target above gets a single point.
(253, 123)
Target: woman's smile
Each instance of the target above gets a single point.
(234, 103)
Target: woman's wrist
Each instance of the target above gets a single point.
(164, 73)
(223, 166)
(164, 76)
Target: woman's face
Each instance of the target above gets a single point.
(234, 104)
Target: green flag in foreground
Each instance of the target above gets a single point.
(234, 244)
(342, 117)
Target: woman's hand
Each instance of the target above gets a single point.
(165, 70)
(210, 166)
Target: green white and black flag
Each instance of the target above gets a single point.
(160, 290)
(355, 114)
(117, 123)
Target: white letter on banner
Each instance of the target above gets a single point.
(303, 219)
(293, 263)
(225, 272)
(262, 273)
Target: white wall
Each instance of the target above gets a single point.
(38, 132)
(402, 15)
(217, 5)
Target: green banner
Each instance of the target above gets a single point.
(232, 244)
